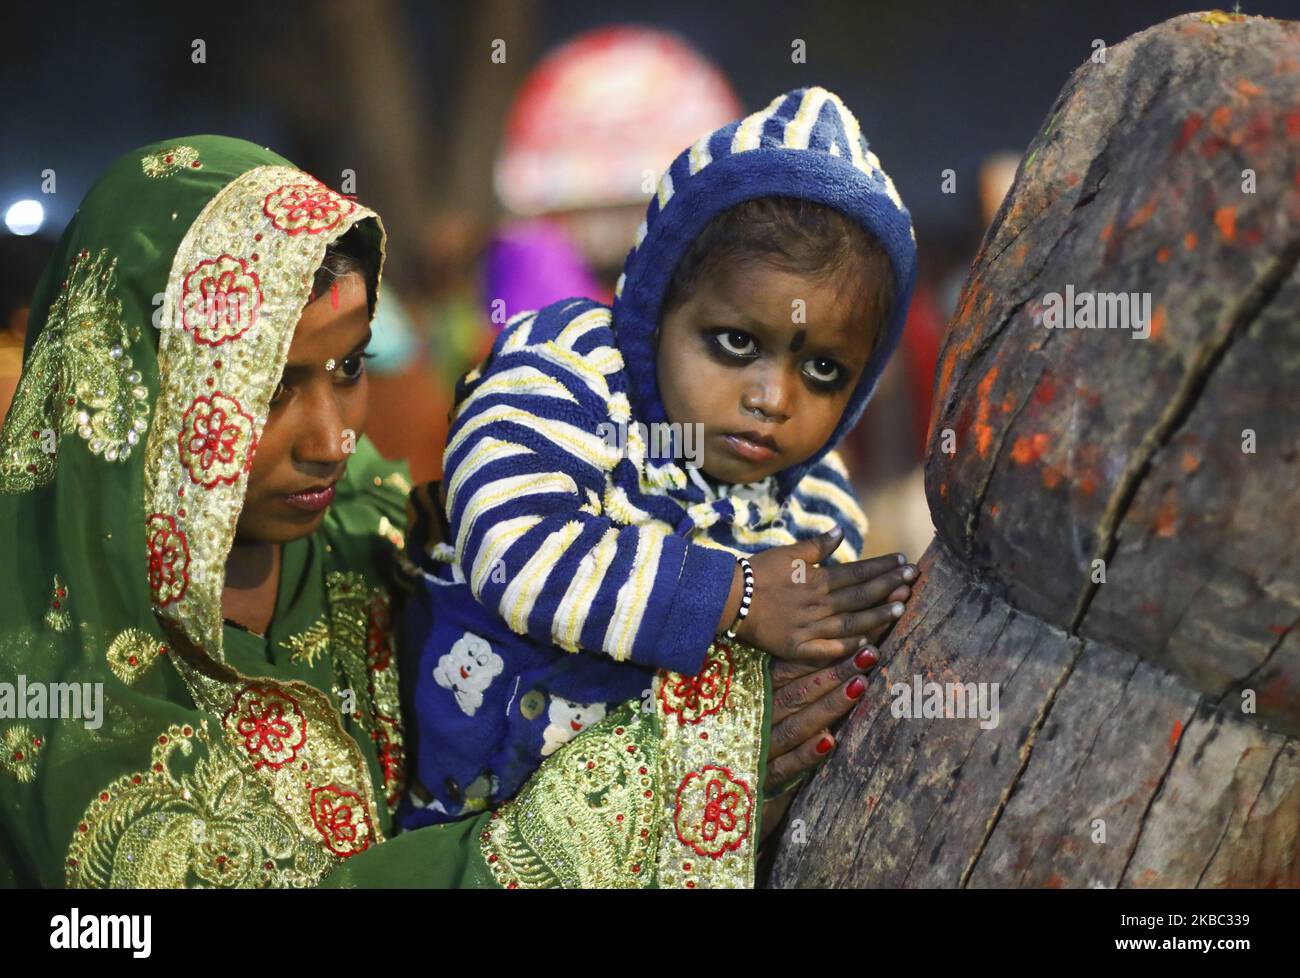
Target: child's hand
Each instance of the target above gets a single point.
(809, 613)
(897, 597)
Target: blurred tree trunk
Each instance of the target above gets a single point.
(422, 153)
(483, 96)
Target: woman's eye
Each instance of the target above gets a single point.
(352, 366)
(823, 371)
(735, 342)
(278, 394)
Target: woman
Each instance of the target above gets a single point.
(204, 539)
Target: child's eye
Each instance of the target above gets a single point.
(823, 371)
(735, 342)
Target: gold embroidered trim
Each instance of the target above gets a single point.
(236, 290)
(289, 734)
(131, 654)
(196, 817)
(710, 760)
(79, 377)
(667, 797)
(587, 818)
(165, 162)
(57, 617)
(19, 748)
(237, 287)
(363, 654)
(310, 644)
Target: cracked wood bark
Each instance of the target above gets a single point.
(1121, 703)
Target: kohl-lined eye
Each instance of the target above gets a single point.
(736, 343)
(278, 394)
(824, 371)
(352, 367)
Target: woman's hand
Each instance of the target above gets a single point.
(806, 700)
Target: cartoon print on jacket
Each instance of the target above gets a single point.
(468, 670)
(567, 720)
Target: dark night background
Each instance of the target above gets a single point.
(936, 83)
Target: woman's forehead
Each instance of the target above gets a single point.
(332, 325)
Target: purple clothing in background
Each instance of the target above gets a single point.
(529, 265)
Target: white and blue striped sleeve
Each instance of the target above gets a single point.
(527, 498)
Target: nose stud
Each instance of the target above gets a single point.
(330, 364)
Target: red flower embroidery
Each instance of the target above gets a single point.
(693, 698)
(379, 646)
(392, 760)
(342, 820)
(217, 440)
(713, 811)
(220, 299)
(306, 207)
(169, 559)
(271, 723)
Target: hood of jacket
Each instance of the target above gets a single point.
(805, 144)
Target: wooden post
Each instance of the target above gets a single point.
(1117, 523)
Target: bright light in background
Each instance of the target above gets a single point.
(25, 217)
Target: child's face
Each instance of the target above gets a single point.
(766, 361)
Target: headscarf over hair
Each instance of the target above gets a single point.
(219, 760)
(157, 337)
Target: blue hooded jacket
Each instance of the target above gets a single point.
(565, 542)
(805, 144)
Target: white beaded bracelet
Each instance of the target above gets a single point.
(745, 599)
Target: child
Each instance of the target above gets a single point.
(604, 470)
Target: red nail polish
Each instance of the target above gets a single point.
(824, 745)
(856, 688)
(865, 659)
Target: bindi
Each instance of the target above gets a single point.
(796, 344)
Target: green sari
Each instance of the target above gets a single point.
(225, 758)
